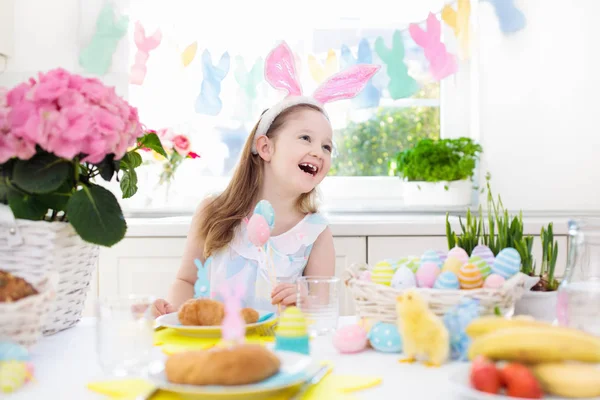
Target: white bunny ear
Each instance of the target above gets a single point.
(346, 84)
(280, 70)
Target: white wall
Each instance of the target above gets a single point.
(539, 110)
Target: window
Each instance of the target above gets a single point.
(368, 131)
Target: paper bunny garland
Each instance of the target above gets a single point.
(280, 72)
(202, 285)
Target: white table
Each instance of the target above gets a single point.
(66, 362)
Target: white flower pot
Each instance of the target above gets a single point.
(539, 305)
(455, 193)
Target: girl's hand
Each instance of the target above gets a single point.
(284, 294)
(162, 307)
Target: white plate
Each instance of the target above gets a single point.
(459, 378)
(295, 369)
(172, 321)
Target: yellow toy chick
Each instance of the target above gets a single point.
(424, 334)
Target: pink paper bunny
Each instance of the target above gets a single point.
(441, 63)
(234, 326)
(144, 45)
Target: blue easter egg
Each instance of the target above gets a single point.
(447, 280)
(456, 321)
(507, 263)
(13, 352)
(385, 337)
(265, 209)
(431, 256)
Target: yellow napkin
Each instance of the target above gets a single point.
(171, 342)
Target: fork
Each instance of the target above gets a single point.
(311, 381)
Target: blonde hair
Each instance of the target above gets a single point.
(223, 214)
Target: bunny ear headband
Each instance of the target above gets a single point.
(280, 72)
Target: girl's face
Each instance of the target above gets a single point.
(299, 156)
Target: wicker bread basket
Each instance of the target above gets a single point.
(378, 302)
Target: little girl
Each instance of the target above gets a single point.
(286, 156)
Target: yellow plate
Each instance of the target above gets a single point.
(172, 321)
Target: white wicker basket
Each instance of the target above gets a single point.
(378, 302)
(35, 248)
(22, 321)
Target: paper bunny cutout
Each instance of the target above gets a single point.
(202, 285)
(441, 63)
(511, 19)
(280, 72)
(96, 57)
(370, 95)
(249, 80)
(459, 22)
(320, 72)
(233, 326)
(401, 84)
(208, 101)
(145, 44)
(188, 54)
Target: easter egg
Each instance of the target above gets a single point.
(385, 337)
(382, 273)
(292, 323)
(431, 256)
(13, 375)
(443, 255)
(258, 230)
(427, 274)
(265, 209)
(507, 263)
(403, 279)
(365, 276)
(484, 252)
(412, 262)
(482, 265)
(447, 280)
(470, 277)
(452, 264)
(494, 281)
(350, 339)
(459, 254)
(13, 352)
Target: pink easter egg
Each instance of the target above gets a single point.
(350, 339)
(494, 281)
(258, 230)
(365, 276)
(460, 254)
(427, 274)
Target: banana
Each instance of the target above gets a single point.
(488, 324)
(569, 380)
(537, 345)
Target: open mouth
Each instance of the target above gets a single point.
(309, 168)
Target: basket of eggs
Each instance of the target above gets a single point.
(442, 278)
(25, 303)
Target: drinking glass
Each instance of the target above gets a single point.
(284, 279)
(318, 299)
(578, 304)
(124, 334)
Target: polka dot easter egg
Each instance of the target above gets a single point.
(484, 252)
(447, 281)
(350, 339)
(431, 256)
(459, 253)
(470, 277)
(482, 265)
(382, 273)
(427, 274)
(403, 279)
(493, 281)
(452, 264)
(412, 262)
(385, 337)
(507, 263)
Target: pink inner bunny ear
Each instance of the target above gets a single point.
(434, 28)
(280, 70)
(346, 84)
(418, 34)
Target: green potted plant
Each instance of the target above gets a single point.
(438, 172)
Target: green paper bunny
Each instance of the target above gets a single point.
(401, 84)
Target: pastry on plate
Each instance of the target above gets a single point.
(13, 288)
(201, 312)
(250, 315)
(237, 365)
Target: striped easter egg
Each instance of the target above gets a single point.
(507, 263)
(443, 255)
(411, 262)
(447, 280)
(431, 256)
(452, 264)
(470, 277)
(459, 253)
(292, 323)
(483, 266)
(484, 252)
(382, 273)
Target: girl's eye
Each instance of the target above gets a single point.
(305, 137)
(327, 148)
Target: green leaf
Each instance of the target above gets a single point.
(58, 199)
(96, 216)
(129, 183)
(152, 141)
(108, 167)
(133, 159)
(26, 206)
(43, 173)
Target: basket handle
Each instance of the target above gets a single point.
(8, 227)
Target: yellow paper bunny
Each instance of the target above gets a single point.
(424, 334)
